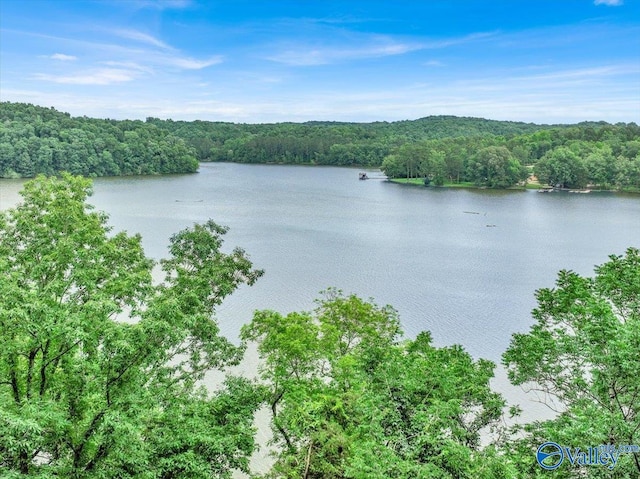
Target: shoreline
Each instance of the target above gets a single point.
(529, 186)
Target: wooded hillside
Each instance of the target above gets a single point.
(440, 149)
(36, 140)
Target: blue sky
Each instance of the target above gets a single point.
(544, 61)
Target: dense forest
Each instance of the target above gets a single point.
(101, 368)
(36, 140)
(595, 154)
(327, 143)
(438, 149)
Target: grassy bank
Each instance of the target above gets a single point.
(446, 184)
(529, 186)
(420, 182)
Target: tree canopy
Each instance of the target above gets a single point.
(100, 368)
(599, 155)
(36, 140)
(348, 399)
(583, 355)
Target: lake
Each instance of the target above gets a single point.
(461, 263)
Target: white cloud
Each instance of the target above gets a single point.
(572, 78)
(128, 65)
(524, 98)
(448, 42)
(187, 63)
(169, 56)
(63, 57)
(165, 4)
(100, 76)
(609, 3)
(115, 72)
(134, 58)
(152, 4)
(322, 56)
(142, 38)
(373, 47)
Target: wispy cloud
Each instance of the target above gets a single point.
(115, 72)
(187, 63)
(163, 4)
(128, 66)
(130, 59)
(372, 47)
(100, 76)
(142, 38)
(553, 95)
(63, 57)
(609, 3)
(322, 56)
(166, 55)
(156, 4)
(449, 42)
(571, 78)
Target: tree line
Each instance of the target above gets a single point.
(101, 368)
(36, 140)
(327, 143)
(438, 149)
(600, 155)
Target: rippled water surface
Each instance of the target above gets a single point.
(463, 264)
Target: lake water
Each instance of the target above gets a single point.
(463, 264)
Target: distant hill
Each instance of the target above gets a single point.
(327, 142)
(36, 139)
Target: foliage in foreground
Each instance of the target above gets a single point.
(583, 355)
(99, 367)
(349, 400)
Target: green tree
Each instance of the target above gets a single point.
(349, 400)
(100, 369)
(562, 167)
(393, 166)
(496, 167)
(628, 172)
(433, 168)
(600, 164)
(583, 353)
